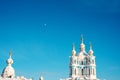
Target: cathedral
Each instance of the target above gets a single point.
(82, 65)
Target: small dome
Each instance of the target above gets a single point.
(91, 52)
(9, 61)
(73, 52)
(82, 45)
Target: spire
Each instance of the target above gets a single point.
(73, 50)
(41, 78)
(82, 45)
(73, 46)
(82, 39)
(10, 61)
(10, 53)
(90, 51)
(90, 46)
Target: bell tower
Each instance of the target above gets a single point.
(92, 64)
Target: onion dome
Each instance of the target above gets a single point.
(82, 45)
(90, 51)
(73, 50)
(10, 61)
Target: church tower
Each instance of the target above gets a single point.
(82, 65)
(92, 63)
(73, 62)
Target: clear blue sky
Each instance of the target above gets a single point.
(41, 32)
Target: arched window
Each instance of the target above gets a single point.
(82, 71)
(9, 76)
(81, 62)
(71, 71)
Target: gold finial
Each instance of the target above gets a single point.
(73, 46)
(10, 53)
(90, 46)
(90, 51)
(82, 38)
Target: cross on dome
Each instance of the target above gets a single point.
(90, 51)
(73, 50)
(10, 61)
(82, 45)
(82, 39)
(10, 53)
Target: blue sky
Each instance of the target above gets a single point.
(41, 32)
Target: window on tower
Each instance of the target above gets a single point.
(89, 61)
(86, 60)
(93, 61)
(81, 62)
(82, 71)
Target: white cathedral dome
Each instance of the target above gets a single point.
(9, 71)
(91, 51)
(73, 52)
(82, 45)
